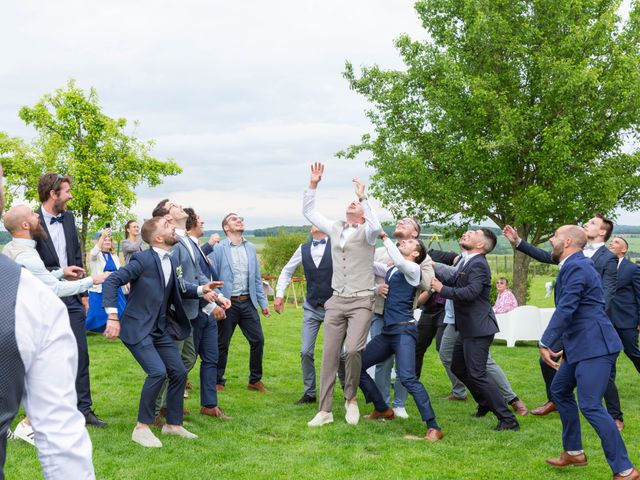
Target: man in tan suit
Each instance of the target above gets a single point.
(348, 311)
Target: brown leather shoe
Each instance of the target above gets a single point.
(376, 415)
(565, 460)
(634, 475)
(215, 412)
(453, 398)
(545, 409)
(158, 422)
(619, 425)
(258, 386)
(188, 385)
(219, 388)
(433, 435)
(519, 408)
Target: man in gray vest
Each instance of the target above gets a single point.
(38, 365)
(348, 311)
(315, 257)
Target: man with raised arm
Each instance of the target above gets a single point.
(348, 311)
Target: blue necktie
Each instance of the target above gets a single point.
(319, 242)
(59, 219)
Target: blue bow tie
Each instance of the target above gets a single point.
(319, 242)
(59, 219)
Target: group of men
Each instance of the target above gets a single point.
(186, 299)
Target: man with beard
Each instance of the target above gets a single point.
(236, 261)
(406, 229)
(591, 347)
(470, 290)
(153, 317)
(38, 362)
(61, 249)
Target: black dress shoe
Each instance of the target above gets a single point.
(512, 425)
(481, 412)
(306, 399)
(91, 419)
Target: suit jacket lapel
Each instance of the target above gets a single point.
(69, 231)
(48, 242)
(226, 248)
(156, 258)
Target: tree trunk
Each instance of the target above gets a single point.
(520, 273)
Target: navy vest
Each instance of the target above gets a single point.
(398, 307)
(318, 278)
(11, 366)
(161, 321)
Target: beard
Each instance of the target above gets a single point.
(556, 254)
(170, 240)
(60, 206)
(399, 235)
(38, 232)
(465, 246)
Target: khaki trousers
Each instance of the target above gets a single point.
(346, 320)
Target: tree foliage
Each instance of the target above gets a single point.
(74, 137)
(278, 250)
(514, 111)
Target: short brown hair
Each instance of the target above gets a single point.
(422, 251)
(491, 239)
(161, 210)
(192, 218)
(51, 181)
(224, 220)
(149, 228)
(607, 225)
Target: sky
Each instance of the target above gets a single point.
(243, 95)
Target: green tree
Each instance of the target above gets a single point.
(76, 138)
(278, 250)
(513, 111)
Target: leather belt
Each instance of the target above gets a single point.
(361, 293)
(240, 298)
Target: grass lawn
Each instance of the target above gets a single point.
(269, 439)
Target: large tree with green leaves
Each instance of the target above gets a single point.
(517, 111)
(74, 137)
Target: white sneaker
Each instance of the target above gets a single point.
(400, 412)
(321, 418)
(353, 413)
(178, 432)
(146, 438)
(25, 432)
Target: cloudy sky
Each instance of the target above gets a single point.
(243, 95)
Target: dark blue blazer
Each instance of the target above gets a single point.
(470, 290)
(47, 251)
(144, 273)
(605, 262)
(625, 307)
(579, 318)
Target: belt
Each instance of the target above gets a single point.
(240, 298)
(361, 293)
(406, 323)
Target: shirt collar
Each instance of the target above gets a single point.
(242, 240)
(196, 240)
(161, 253)
(181, 233)
(560, 264)
(26, 242)
(47, 216)
(593, 246)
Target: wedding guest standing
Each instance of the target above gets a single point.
(133, 241)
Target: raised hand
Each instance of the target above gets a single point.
(511, 234)
(359, 187)
(317, 169)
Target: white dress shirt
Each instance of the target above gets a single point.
(165, 261)
(317, 252)
(183, 235)
(591, 248)
(23, 251)
(371, 223)
(56, 232)
(50, 356)
(411, 270)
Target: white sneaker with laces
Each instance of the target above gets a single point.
(353, 413)
(25, 432)
(400, 412)
(146, 438)
(321, 418)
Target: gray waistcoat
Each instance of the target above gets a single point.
(11, 366)
(353, 264)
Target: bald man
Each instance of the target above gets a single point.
(591, 347)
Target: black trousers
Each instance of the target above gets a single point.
(77, 319)
(430, 326)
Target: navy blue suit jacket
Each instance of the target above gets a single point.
(605, 262)
(625, 307)
(470, 290)
(579, 318)
(144, 273)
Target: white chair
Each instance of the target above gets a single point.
(521, 323)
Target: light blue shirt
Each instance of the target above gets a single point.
(240, 269)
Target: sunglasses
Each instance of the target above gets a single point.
(234, 219)
(56, 184)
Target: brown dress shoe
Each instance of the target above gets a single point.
(433, 435)
(545, 409)
(453, 398)
(619, 425)
(376, 415)
(215, 412)
(634, 475)
(519, 408)
(157, 421)
(188, 385)
(258, 386)
(565, 460)
(219, 388)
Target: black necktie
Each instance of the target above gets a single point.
(59, 219)
(319, 242)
